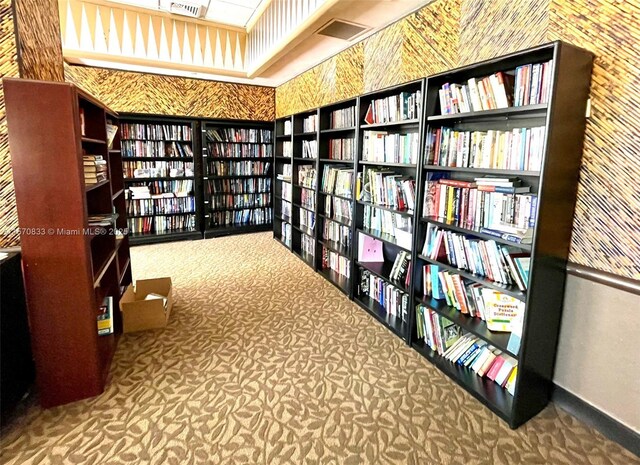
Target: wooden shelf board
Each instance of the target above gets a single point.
(395, 324)
(336, 196)
(341, 282)
(494, 397)
(157, 158)
(385, 163)
(161, 214)
(383, 237)
(322, 215)
(158, 178)
(103, 268)
(90, 187)
(138, 239)
(211, 232)
(89, 140)
(336, 247)
(482, 170)
(406, 122)
(521, 110)
(389, 209)
(337, 130)
(474, 232)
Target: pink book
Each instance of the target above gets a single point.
(370, 249)
(495, 368)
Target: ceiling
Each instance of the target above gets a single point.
(300, 48)
(233, 12)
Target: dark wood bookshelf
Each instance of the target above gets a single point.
(389, 209)
(555, 185)
(63, 312)
(384, 163)
(260, 151)
(158, 233)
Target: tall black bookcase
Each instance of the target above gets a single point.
(282, 189)
(553, 183)
(237, 161)
(161, 153)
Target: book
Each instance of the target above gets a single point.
(501, 310)
(105, 317)
(369, 249)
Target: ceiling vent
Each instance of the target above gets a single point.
(341, 29)
(193, 9)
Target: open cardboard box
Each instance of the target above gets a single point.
(139, 314)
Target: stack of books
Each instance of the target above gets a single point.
(95, 169)
(382, 147)
(401, 107)
(394, 301)
(386, 188)
(337, 180)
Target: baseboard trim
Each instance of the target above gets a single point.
(587, 413)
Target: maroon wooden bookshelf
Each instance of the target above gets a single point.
(69, 267)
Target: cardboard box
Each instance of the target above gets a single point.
(139, 314)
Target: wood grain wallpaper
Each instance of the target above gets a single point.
(490, 28)
(38, 27)
(606, 232)
(449, 33)
(9, 68)
(169, 95)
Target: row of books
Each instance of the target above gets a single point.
(338, 209)
(287, 149)
(238, 186)
(342, 149)
(382, 147)
(533, 83)
(465, 350)
(286, 210)
(336, 262)
(162, 224)
(287, 191)
(307, 221)
(308, 246)
(156, 131)
(238, 168)
(310, 123)
(157, 169)
(482, 205)
(95, 169)
(336, 232)
(309, 149)
(342, 118)
(242, 135)
(221, 150)
(385, 188)
(246, 217)
(308, 199)
(285, 233)
(161, 206)
(155, 148)
(307, 176)
(223, 201)
(287, 170)
(393, 225)
(287, 128)
(400, 107)
(482, 258)
(401, 269)
(394, 301)
(518, 149)
(337, 180)
(499, 311)
(159, 189)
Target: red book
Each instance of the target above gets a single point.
(495, 368)
(436, 153)
(456, 183)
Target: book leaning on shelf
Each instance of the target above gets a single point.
(526, 85)
(496, 262)
(465, 350)
(335, 262)
(309, 149)
(386, 188)
(307, 176)
(393, 225)
(337, 180)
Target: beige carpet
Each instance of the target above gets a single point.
(264, 362)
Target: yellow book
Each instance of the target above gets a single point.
(511, 382)
(449, 204)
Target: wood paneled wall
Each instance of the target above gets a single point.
(38, 26)
(450, 33)
(126, 91)
(8, 67)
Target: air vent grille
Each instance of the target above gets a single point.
(187, 9)
(341, 29)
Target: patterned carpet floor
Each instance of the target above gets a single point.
(264, 362)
